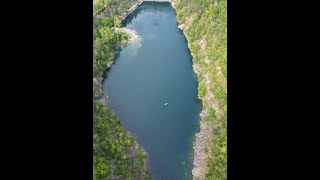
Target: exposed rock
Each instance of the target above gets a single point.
(132, 33)
(109, 64)
(103, 101)
(135, 6)
(203, 138)
(95, 81)
(181, 26)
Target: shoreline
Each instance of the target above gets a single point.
(133, 35)
(203, 136)
(103, 100)
(135, 6)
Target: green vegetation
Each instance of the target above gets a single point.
(112, 7)
(206, 30)
(115, 154)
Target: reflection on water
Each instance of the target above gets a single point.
(132, 47)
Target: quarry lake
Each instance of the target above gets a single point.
(152, 89)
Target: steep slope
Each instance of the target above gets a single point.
(115, 153)
(204, 22)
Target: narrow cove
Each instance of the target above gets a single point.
(152, 89)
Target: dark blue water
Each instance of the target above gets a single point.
(148, 73)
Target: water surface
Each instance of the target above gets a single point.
(148, 73)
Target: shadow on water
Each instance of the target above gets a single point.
(117, 50)
(143, 7)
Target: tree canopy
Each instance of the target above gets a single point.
(115, 153)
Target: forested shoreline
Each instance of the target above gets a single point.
(204, 24)
(116, 155)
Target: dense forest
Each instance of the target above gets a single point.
(115, 153)
(206, 30)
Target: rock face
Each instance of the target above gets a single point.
(134, 7)
(181, 26)
(109, 64)
(133, 34)
(203, 138)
